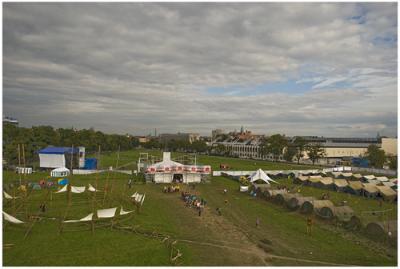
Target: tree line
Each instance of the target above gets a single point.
(39, 137)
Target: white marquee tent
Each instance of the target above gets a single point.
(261, 175)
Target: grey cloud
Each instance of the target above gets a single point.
(132, 67)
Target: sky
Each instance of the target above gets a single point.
(292, 68)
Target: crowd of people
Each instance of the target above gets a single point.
(171, 189)
(193, 201)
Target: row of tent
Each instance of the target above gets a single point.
(75, 189)
(325, 209)
(367, 189)
(308, 205)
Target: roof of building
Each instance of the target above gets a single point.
(58, 150)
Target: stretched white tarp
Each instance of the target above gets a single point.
(78, 189)
(134, 195)
(11, 219)
(64, 189)
(7, 196)
(261, 175)
(106, 213)
(122, 212)
(87, 218)
(138, 198)
(92, 189)
(144, 196)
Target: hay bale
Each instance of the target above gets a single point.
(296, 202)
(380, 230)
(309, 206)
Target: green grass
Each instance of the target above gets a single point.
(125, 157)
(166, 213)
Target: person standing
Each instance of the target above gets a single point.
(309, 225)
(130, 183)
(257, 222)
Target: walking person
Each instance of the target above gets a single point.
(309, 225)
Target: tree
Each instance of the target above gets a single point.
(392, 162)
(375, 156)
(300, 145)
(220, 149)
(289, 152)
(315, 152)
(274, 145)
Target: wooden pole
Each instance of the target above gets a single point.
(23, 158)
(14, 202)
(116, 167)
(19, 163)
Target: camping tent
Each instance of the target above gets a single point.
(309, 206)
(368, 177)
(382, 179)
(261, 175)
(354, 187)
(296, 202)
(357, 176)
(340, 184)
(313, 180)
(273, 193)
(346, 175)
(282, 198)
(381, 230)
(342, 213)
(300, 179)
(60, 172)
(325, 182)
(387, 193)
(370, 190)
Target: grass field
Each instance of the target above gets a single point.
(230, 239)
(130, 158)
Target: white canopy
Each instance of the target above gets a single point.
(64, 189)
(75, 189)
(261, 175)
(7, 196)
(122, 212)
(106, 213)
(91, 188)
(11, 218)
(87, 218)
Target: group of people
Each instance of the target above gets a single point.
(193, 201)
(171, 189)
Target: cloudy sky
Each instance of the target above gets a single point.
(297, 69)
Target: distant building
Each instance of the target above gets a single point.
(190, 137)
(215, 133)
(389, 145)
(143, 139)
(247, 145)
(10, 120)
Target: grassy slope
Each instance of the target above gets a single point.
(287, 230)
(166, 213)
